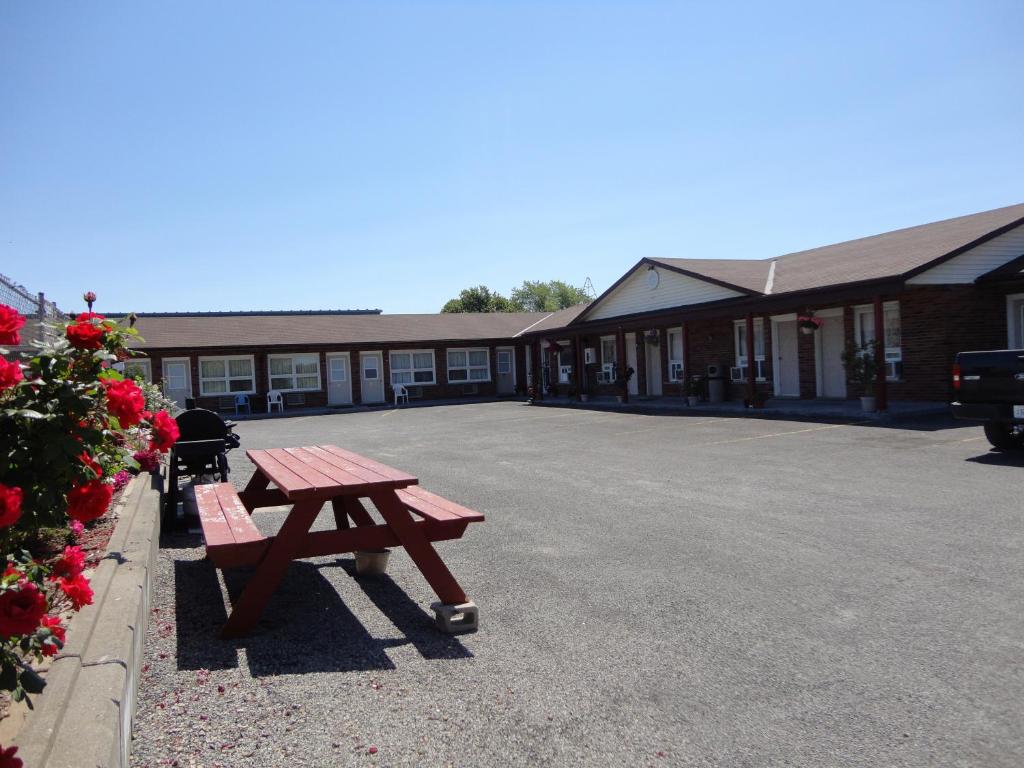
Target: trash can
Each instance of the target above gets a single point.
(190, 403)
(716, 383)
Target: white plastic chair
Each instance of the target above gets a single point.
(274, 397)
(242, 401)
(401, 393)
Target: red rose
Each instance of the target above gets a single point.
(21, 609)
(84, 334)
(125, 401)
(78, 591)
(10, 324)
(88, 501)
(91, 463)
(165, 432)
(10, 505)
(10, 374)
(148, 460)
(8, 760)
(85, 317)
(57, 633)
(70, 564)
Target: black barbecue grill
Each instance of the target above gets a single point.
(200, 452)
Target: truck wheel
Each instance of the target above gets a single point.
(1003, 436)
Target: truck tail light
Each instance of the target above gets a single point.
(956, 377)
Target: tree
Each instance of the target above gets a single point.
(538, 296)
(480, 299)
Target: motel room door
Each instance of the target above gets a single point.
(339, 384)
(506, 360)
(633, 387)
(787, 359)
(653, 355)
(829, 346)
(177, 380)
(371, 377)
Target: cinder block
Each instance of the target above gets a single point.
(456, 618)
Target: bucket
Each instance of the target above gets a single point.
(372, 562)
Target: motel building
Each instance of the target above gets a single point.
(925, 292)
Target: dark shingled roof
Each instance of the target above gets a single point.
(238, 330)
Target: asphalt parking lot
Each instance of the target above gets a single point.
(654, 590)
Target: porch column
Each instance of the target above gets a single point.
(537, 374)
(581, 374)
(751, 368)
(881, 394)
(620, 356)
(686, 357)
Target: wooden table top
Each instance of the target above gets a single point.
(325, 471)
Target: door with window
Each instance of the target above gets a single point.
(371, 377)
(339, 383)
(506, 365)
(177, 380)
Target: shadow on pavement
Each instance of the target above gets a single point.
(996, 458)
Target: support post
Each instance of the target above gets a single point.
(881, 393)
(537, 374)
(751, 368)
(620, 355)
(581, 373)
(686, 357)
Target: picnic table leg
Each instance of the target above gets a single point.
(401, 522)
(349, 506)
(256, 485)
(246, 612)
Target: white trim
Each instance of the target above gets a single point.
(675, 360)
(413, 370)
(741, 355)
(770, 282)
(226, 379)
(188, 372)
(293, 375)
(531, 325)
(448, 365)
(1014, 334)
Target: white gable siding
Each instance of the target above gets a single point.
(674, 290)
(972, 264)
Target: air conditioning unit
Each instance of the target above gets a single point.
(715, 369)
(589, 356)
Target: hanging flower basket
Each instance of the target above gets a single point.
(808, 323)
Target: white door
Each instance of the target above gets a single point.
(339, 383)
(633, 387)
(653, 355)
(832, 375)
(506, 360)
(787, 359)
(371, 377)
(177, 378)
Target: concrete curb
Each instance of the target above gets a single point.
(84, 716)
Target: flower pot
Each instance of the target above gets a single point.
(372, 562)
(692, 400)
(867, 404)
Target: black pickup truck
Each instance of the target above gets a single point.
(989, 387)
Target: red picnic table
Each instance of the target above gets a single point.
(306, 478)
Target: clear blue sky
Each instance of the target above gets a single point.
(267, 155)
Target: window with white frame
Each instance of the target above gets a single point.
(675, 354)
(294, 373)
(138, 368)
(565, 355)
(469, 365)
(739, 373)
(504, 361)
(864, 334)
(220, 375)
(609, 354)
(415, 366)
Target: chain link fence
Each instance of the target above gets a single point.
(40, 313)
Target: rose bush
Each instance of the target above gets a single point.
(69, 425)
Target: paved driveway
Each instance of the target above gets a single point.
(654, 590)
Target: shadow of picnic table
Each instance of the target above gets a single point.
(306, 628)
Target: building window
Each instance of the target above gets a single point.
(864, 334)
(504, 361)
(739, 373)
(294, 373)
(469, 365)
(609, 351)
(412, 367)
(675, 355)
(138, 368)
(220, 375)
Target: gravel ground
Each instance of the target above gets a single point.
(654, 590)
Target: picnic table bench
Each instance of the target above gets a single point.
(306, 478)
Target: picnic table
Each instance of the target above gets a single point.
(306, 479)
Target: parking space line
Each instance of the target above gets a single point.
(675, 423)
(783, 434)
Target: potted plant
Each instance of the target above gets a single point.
(862, 362)
(690, 391)
(808, 323)
(623, 384)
